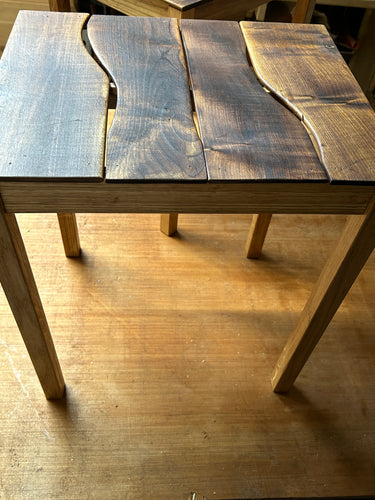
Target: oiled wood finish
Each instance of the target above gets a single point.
(18, 283)
(168, 223)
(303, 11)
(167, 347)
(59, 5)
(301, 65)
(353, 249)
(213, 9)
(69, 234)
(53, 101)
(186, 4)
(232, 108)
(153, 136)
(257, 235)
(210, 197)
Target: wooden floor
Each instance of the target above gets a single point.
(167, 346)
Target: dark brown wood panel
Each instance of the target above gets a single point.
(247, 135)
(153, 136)
(301, 65)
(53, 101)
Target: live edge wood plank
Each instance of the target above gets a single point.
(20, 289)
(232, 107)
(153, 136)
(302, 67)
(53, 99)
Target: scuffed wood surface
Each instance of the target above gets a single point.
(247, 135)
(153, 136)
(53, 100)
(167, 346)
(301, 65)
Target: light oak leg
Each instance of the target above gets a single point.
(168, 223)
(303, 11)
(353, 249)
(20, 289)
(257, 235)
(59, 5)
(69, 234)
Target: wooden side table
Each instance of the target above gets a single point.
(306, 145)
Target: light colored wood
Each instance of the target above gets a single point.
(153, 136)
(69, 234)
(178, 14)
(225, 198)
(319, 87)
(153, 8)
(8, 13)
(303, 11)
(231, 105)
(168, 223)
(257, 235)
(49, 69)
(353, 249)
(260, 13)
(59, 5)
(20, 289)
(213, 9)
(174, 396)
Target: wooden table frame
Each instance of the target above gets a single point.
(287, 181)
(353, 249)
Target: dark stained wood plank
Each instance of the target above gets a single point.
(153, 136)
(247, 135)
(53, 101)
(302, 66)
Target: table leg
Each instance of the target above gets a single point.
(168, 223)
(59, 5)
(257, 235)
(352, 251)
(69, 234)
(303, 11)
(20, 289)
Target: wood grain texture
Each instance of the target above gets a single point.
(303, 11)
(301, 65)
(69, 234)
(18, 283)
(247, 135)
(9, 10)
(342, 268)
(153, 136)
(168, 223)
(59, 5)
(144, 417)
(53, 101)
(215, 198)
(257, 235)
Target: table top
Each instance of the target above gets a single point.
(203, 101)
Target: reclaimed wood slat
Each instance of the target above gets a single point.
(301, 65)
(247, 135)
(153, 136)
(53, 101)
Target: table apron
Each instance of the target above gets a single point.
(45, 197)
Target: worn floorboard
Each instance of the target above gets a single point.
(167, 347)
